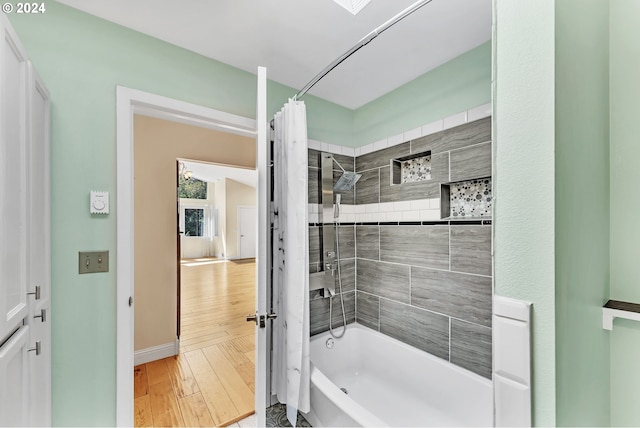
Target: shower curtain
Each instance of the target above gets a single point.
(291, 378)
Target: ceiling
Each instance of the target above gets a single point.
(211, 173)
(296, 39)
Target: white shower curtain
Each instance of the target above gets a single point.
(290, 378)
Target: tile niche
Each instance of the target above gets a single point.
(411, 169)
(469, 199)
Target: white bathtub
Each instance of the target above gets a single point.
(390, 383)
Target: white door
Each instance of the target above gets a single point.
(13, 182)
(262, 381)
(247, 224)
(25, 377)
(39, 261)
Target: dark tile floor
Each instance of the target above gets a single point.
(277, 417)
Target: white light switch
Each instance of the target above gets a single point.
(99, 203)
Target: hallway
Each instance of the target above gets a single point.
(211, 381)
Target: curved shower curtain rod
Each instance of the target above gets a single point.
(361, 43)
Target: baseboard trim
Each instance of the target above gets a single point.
(156, 352)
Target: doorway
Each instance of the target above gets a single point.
(152, 106)
(247, 232)
(211, 366)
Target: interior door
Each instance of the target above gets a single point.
(247, 232)
(39, 261)
(13, 182)
(262, 380)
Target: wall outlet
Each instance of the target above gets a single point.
(93, 261)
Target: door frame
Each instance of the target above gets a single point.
(239, 208)
(128, 102)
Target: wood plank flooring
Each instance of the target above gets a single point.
(211, 382)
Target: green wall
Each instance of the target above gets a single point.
(582, 211)
(455, 86)
(82, 59)
(552, 195)
(625, 229)
(523, 179)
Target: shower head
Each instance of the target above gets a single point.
(346, 181)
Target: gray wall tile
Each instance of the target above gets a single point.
(387, 255)
(347, 162)
(368, 242)
(349, 308)
(368, 188)
(426, 246)
(471, 249)
(368, 310)
(471, 162)
(454, 138)
(417, 327)
(319, 313)
(467, 297)
(347, 274)
(347, 240)
(313, 186)
(381, 157)
(407, 191)
(315, 235)
(440, 167)
(314, 158)
(471, 347)
(384, 279)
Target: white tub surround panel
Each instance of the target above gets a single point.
(512, 362)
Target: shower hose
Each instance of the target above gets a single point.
(344, 317)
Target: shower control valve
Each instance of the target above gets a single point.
(330, 267)
(331, 254)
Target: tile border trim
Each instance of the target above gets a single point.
(419, 210)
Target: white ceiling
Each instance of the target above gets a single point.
(296, 39)
(212, 173)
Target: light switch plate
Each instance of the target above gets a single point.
(93, 261)
(99, 202)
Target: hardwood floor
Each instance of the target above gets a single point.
(211, 382)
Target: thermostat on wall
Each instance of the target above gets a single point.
(99, 202)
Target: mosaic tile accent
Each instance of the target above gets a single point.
(471, 198)
(277, 417)
(416, 169)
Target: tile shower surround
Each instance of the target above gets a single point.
(426, 283)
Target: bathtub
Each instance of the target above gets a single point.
(389, 383)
